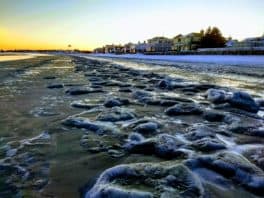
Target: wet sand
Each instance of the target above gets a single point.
(58, 155)
(12, 56)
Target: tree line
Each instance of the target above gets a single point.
(212, 38)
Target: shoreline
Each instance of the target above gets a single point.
(96, 109)
(4, 57)
(242, 60)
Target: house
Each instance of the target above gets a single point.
(251, 42)
(188, 42)
(177, 43)
(130, 48)
(142, 47)
(99, 50)
(231, 43)
(159, 44)
(109, 49)
(192, 41)
(119, 49)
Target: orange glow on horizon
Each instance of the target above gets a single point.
(87, 24)
(10, 40)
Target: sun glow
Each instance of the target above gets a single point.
(86, 24)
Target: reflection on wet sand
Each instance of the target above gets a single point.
(13, 57)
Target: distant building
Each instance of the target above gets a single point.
(130, 48)
(188, 42)
(142, 47)
(250, 42)
(159, 44)
(177, 43)
(99, 50)
(231, 43)
(109, 49)
(181, 43)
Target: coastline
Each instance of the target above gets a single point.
(18, 56)
(241, 60)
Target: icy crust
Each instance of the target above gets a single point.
(233, 166)
(166, 179)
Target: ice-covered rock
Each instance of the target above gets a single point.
(233, 166)
(184, 109)
(243, 100)
(94, 126)
(155, 180)
(116, 114)
(216, 96)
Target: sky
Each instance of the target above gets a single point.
(87, 24)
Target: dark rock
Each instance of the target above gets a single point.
(84, 90)
(204, 87)
(99, 83)
(124, 85)
(125, 89)
(165, 84)
(96, 86)
(141, 95)
(139, 86)
(184, 109)
(49, 77)
(73, 85)
(167, 103)
(243, 100)
(147, 128)
(94, 79)
(40, 183)
(94, 126)
(229, 119)
(116, 114)
(196, 133)
(150, 101)
(213, 116)
(177, 99)
(208, 144)
(253, 128)
(216, 96)
(55, 86)
(113, 102)
(163, 145)
(83, 105)
(260, 102)
(167, 146)
(136, 137)
(115, 153)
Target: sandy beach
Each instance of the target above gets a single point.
(72, 125)
(15, 56)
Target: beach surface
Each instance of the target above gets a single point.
(17, 56)
(239, 60)
(86, 126)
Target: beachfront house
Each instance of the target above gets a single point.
(251, 42)
(192, 41)
(159, 44)
(130, 48)
(142, 47)
(231, 43)
(99, 50)
(188, 42)
(109, 49)
(177, 43)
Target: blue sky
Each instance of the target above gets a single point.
(90, 23)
